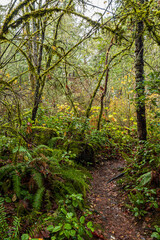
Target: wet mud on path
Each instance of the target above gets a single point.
(113, 220)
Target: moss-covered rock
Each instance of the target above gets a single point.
(84, 152)
(42, 135)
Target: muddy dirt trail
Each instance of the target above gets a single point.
(107, 201)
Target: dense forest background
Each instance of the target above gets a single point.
(70, 87)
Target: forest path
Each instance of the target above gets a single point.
(107, 202)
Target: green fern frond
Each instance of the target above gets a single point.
(16, 227)
(23, 150)
(42, 148)
(38, 198)
(37, 178)
(5, 170)
(16, 183)
(48, 204)
(77, 177)
(61, 189)
(74, 177)
(3, 219)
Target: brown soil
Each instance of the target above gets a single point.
(110, 216)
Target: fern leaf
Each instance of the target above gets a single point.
(38, 198)
(24, 150)
(145, 178)
(5, 170)
(37, 178)
(3, 219)
(16, 183)
(16, 227)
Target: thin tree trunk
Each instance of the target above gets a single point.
(140, 86)
(38, 92)
(105, 87)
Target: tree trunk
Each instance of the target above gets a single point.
(140, 86)
(39, 81)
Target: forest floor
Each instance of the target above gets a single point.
(111, 218)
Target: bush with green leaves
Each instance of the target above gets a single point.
(68, 223)
(142, 200)
(41, 173)
(156, 234)
(98, 138)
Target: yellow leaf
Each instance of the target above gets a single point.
(53, 47)
(14, 198)
(7, 75)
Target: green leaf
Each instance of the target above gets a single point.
(25, 237)
(50, 228)
(79, 237)
(56, 229)
(81, 230)
(69, 215)
(63, 210)
(136, 214)
(53, 238)
(82, 219)
(72, 233)
(89, 224)
(155, 235)
(67, 233)
(8, 200)
(89, 233)
(75, 203)
(75, 225)
(67, 226)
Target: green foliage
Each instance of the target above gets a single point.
(145, 178)
(16, 184)
(38, 198)
(41, 174)
(24, 150)
(156, 234)
(97, 138)
(142, 199)
(7, 232)
(3, 218)
(66, 222)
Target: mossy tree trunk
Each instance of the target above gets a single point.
(140, 86)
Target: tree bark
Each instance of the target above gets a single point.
(140, 86)
(105, 86)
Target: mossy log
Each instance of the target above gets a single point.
(42, 135)
(84, 152)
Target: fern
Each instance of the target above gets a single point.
(48, 204)
(3, 219)
(11, 234)
(16, 183)
(16, 227)
(77, 177)
(38, 198)
(145, 178)
(23, 150)
(61, 189)
(37, 178)
(42, 148)
(5, 170)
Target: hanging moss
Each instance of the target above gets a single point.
(84, 152)
(13, 13)
(42, 135)
(34, 14)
